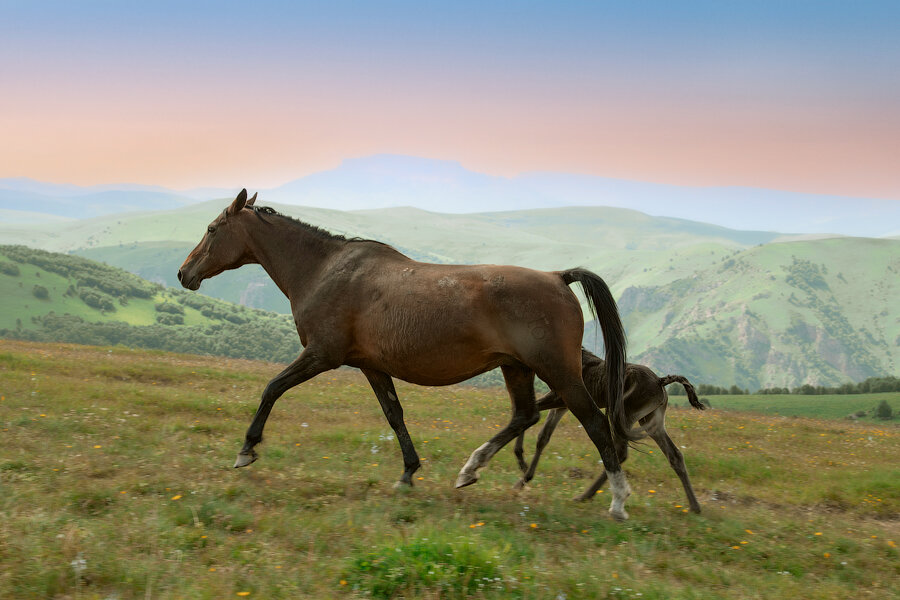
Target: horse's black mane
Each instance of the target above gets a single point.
(317, 231)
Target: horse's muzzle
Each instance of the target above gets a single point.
(191, 283)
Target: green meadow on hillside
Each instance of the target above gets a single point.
(117, 483)
(56, 297)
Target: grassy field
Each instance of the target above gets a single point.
(832, 406)
(117, 483)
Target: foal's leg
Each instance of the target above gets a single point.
(657, 430)
(548, 401)
(383, 386)
(519, 451)
(543, 439)
(306, 366)
(520, 384)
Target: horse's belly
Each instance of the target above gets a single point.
(430, 349)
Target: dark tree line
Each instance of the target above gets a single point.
(872, 385)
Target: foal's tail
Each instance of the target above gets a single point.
(688, 388)
(603, 309)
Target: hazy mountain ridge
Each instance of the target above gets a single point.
(446, 186)
(392, 181)
(79, 203)
(719, 305)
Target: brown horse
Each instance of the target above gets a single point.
(364, 304)
(645, 402)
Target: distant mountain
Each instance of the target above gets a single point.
(384, 181)
(390, 181)
(32, 199)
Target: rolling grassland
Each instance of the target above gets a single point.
(756, 309)
(116, 476)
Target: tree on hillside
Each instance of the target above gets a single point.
(8, 268)
(40, 292)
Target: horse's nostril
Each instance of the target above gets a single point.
(180, 275)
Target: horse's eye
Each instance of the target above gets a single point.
(211, 229)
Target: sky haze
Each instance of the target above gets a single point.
(800, 96)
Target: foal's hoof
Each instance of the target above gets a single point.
(403, 486)
(465, 479)
(245, 458)
(519, 485)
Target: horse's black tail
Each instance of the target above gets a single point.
(688, 388)
(606, 315)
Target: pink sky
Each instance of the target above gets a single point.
(177, 97)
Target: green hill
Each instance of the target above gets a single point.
(627, 247)
(46, 296)
(818, 312)
(718, 305)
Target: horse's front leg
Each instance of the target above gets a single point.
(306, 366)
(383, 386)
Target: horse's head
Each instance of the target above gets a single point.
(221, 248)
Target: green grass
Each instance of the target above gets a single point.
(832, 406)
(117, 482)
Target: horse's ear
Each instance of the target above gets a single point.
(252, 200)
(238, 203)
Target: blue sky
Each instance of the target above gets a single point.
(791, 95)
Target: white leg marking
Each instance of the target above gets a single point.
(475, 461)
(620, 492)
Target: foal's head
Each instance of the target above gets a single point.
(220, 249)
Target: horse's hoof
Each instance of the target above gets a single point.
(465, 479)
(695, 510)
(245, 458)
(583, 497)
(519, 485)
(619, 515)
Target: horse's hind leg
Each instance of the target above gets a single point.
(543, 439)
(520, 384)
(579, 401)
(383, 386)
(306, 366)
(588, 494)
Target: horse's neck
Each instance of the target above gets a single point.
(291, 256)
